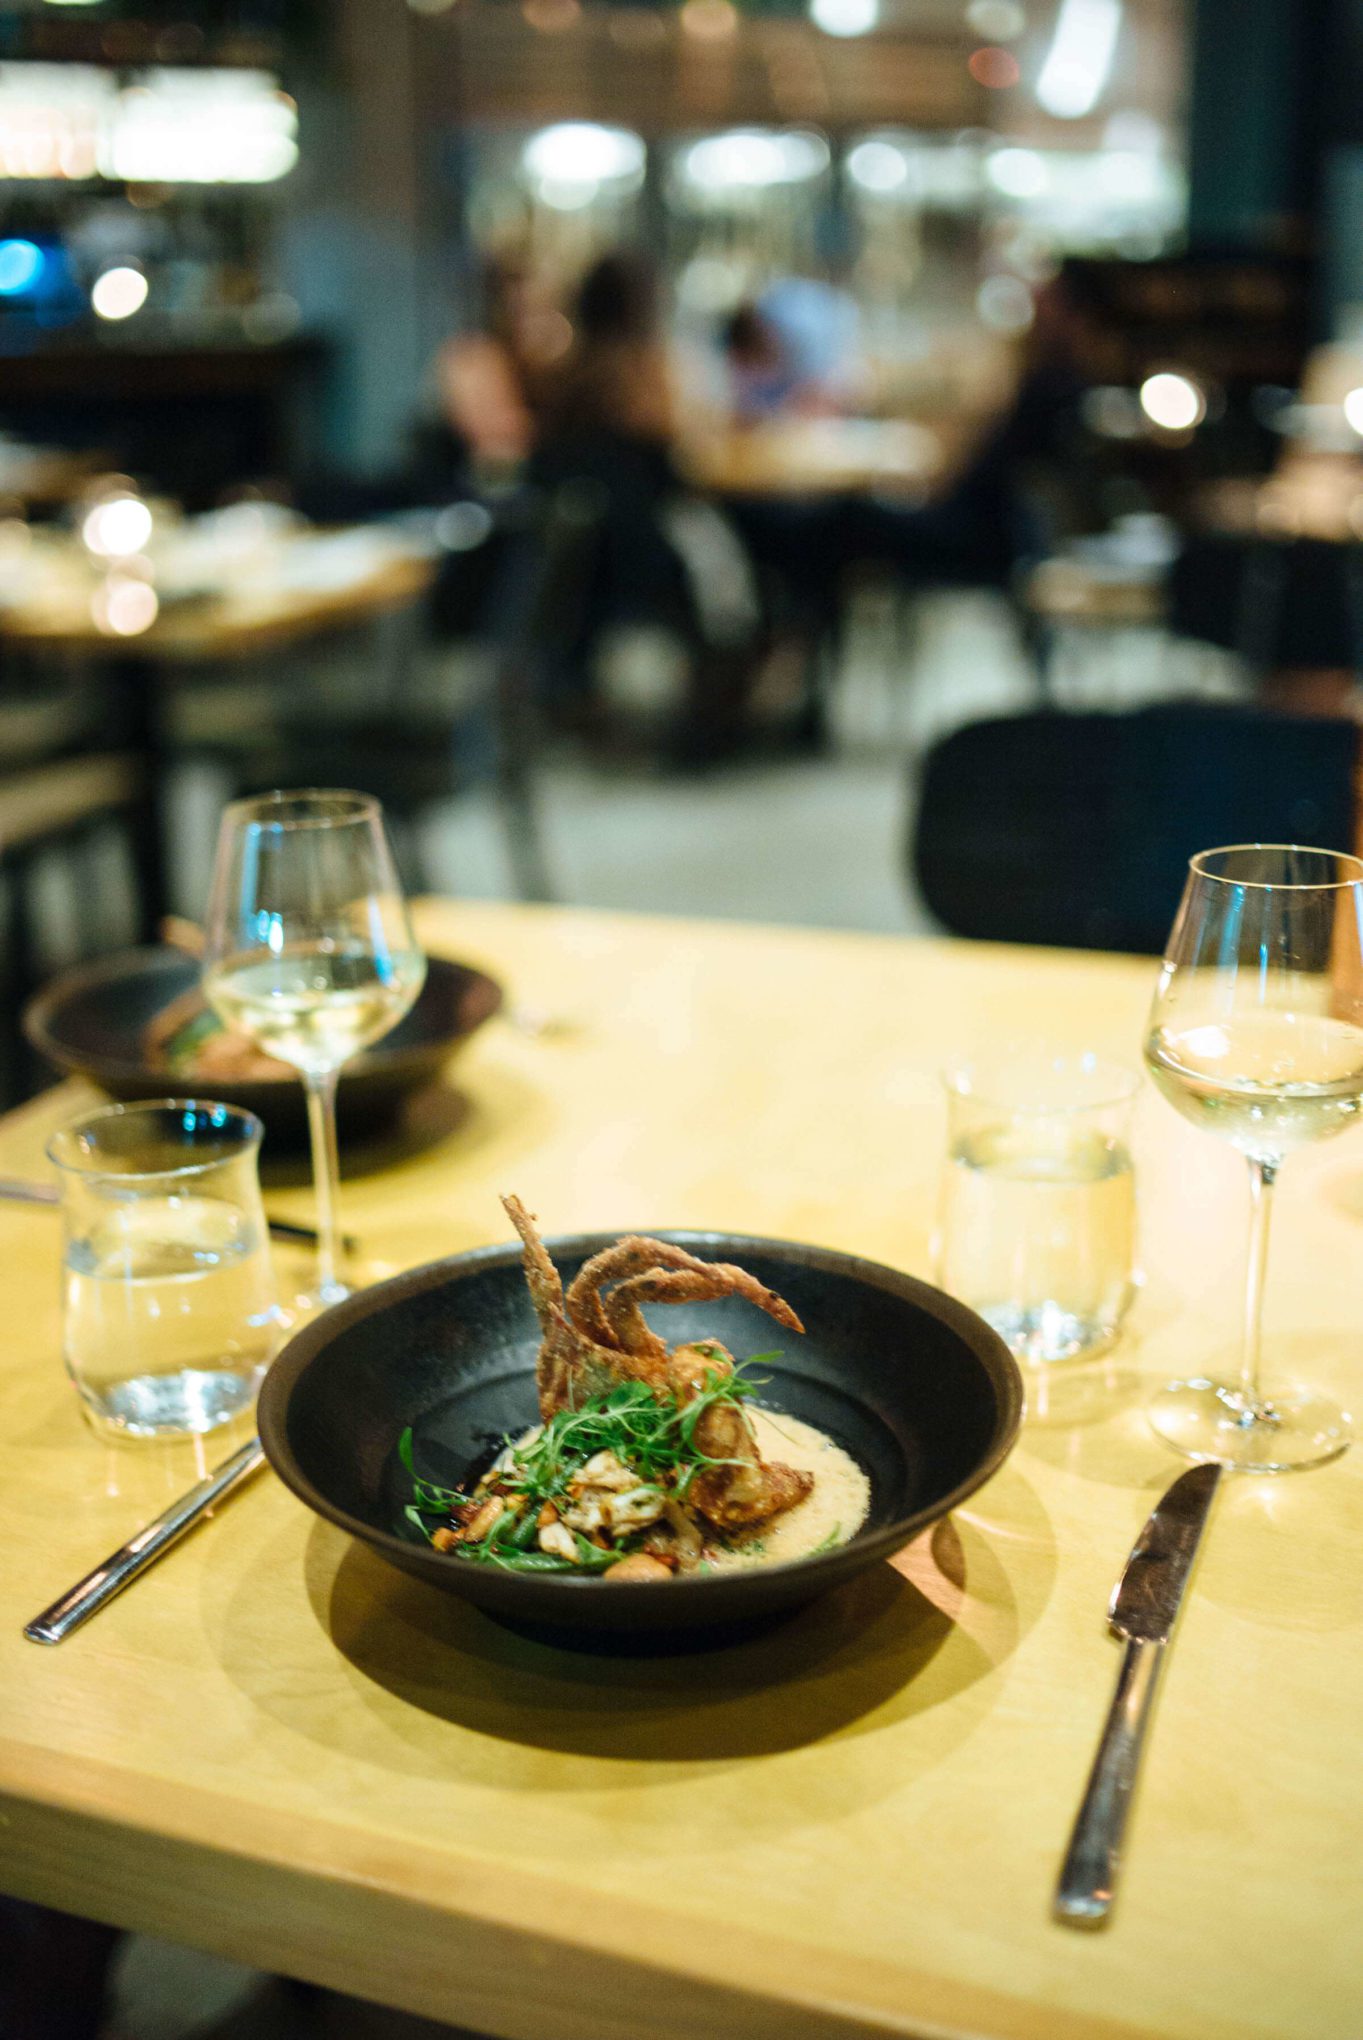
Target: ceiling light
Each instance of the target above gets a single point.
(1080, 57)
(581, 152)
(845, 17)
(749, 157)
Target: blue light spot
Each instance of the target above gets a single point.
(21, 264)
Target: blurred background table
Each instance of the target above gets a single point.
(817, 456)
(42, 476)
(203, 598)
(276, 1748)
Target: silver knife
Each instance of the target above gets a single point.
(89, 1595)
(1144, 1604)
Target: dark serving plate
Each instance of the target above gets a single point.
(917, 1388)
(91, 1021)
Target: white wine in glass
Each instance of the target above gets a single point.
(1256, 1034)
(309, 949)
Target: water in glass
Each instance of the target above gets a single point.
(169, 1314)
(1038, 1201)
(168, 1305)
(1038, 1227)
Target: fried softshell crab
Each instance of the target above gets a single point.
(596, 1336)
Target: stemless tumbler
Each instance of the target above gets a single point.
(1038, 1210)
(169, 1318)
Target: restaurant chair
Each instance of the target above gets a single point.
(1075, 830)
(509, 620)
(1280, 604)
(60, 809)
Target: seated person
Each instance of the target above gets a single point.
(489, 381)
(664, 556)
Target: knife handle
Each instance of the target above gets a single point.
(89, 1595)
(1084, 1894)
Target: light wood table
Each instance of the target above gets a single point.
(263, 605)
(276, 1748)
(817, 457)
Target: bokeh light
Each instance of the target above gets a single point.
(750, 157)
(845, 17)
(1353, 410)
(117, 527)
(995, 68)
(1172, 401)
(878, 166)
(1018, 173)
(123, 606)
(119, 292)
(21, 264)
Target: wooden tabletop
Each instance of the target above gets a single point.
(258, 609)
(817, 457)
(1309, 495)
(274, 1747)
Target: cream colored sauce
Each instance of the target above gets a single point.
(831, 1514)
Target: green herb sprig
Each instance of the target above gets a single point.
(653, 1435)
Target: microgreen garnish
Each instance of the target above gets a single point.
(653, 1435)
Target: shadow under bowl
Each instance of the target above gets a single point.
(922, 1394)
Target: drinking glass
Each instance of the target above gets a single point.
(309, 949)
(169, 1317)
(1256, 1034)
(1037, 1221)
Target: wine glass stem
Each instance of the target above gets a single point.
(1262, 1177)
(321, 1094)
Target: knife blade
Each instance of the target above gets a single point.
(1141, 1613)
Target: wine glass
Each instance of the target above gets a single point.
(309, 949)
(1256, 1033)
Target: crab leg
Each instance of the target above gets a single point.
(633, 1255)
(702, 1283)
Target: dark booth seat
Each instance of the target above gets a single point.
(1076, 830)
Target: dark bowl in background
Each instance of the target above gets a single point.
(91, 1022)
(921, 1392)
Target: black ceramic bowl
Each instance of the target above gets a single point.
(917, 1388)
(91, 1022)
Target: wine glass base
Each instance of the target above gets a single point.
(1209, 1420)
(308, 1303)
